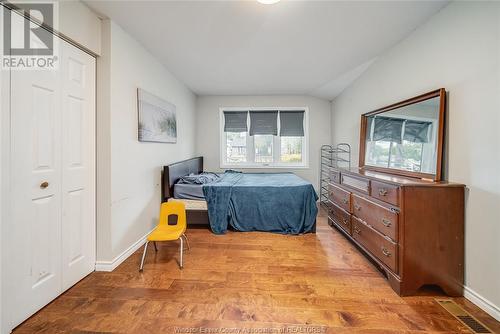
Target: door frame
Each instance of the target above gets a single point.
(4, 179)
(5, 159)
(5, 170)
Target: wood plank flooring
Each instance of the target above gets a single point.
(315, 283)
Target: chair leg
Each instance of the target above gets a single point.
(144, 255)
(187, 241)
(182, 249)
(156, 248)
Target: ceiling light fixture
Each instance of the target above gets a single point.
(268, 2)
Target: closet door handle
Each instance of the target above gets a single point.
(44, 185)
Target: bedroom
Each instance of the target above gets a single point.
(308, 67)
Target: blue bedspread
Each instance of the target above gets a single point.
(281, 203)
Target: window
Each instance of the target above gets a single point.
(263, 148)
(264, 137)
(236, 146)
(291, 149)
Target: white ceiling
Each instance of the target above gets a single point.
(246, 48)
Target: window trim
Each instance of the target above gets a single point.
(274, 165)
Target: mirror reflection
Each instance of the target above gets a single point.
(404, 138)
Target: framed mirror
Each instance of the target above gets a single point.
(405, 138)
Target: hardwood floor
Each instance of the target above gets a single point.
(314, 283)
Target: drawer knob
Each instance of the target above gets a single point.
(386, 252)
(344, 221)
(345, 201)
(386, 222)
(44, 185)
(357, 230)
(357, 207)
(382, 192)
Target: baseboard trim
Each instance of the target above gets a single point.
(111, 265)
(483, 303)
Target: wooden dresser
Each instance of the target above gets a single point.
(412, 228)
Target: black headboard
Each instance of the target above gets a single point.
(173, 172)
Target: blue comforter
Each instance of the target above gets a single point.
(281, 203)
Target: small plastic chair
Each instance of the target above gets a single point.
(166, 232)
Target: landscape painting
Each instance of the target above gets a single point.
(157, 121)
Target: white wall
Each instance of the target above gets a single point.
(459, 49)
(128, 186)
(3, 93)
(207, 127)
(80, 24)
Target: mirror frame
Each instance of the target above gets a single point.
(441, 93)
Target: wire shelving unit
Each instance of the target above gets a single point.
(332, 157)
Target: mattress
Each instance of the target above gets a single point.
(192, 204)
(188, 191)
(268, 202)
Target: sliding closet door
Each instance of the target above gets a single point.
(78, 164)
(51, 231)
(34, 230)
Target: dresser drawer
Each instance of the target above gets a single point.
(385, 192)
(362, 185)
(340, 197)
(376, 244)
(380, 218)
(341, 218)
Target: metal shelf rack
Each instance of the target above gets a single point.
(332, 157)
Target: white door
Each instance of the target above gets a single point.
(51, 231)
(78, 164)
(34, 229)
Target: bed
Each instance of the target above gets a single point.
(196, 210)
(271, 202)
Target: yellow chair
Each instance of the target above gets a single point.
(166, 232)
